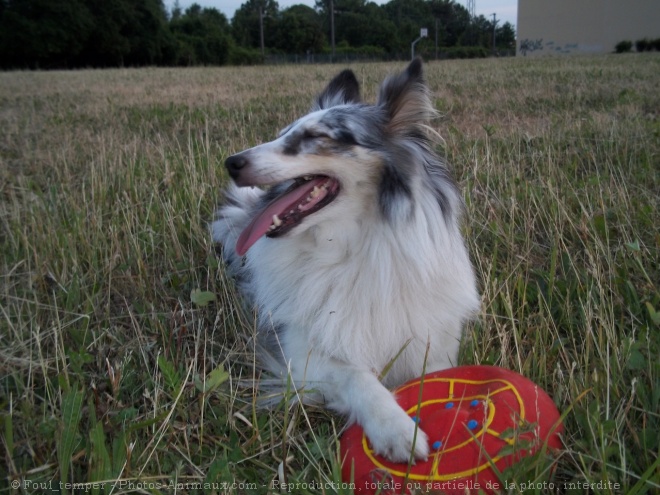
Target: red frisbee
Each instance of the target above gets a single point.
(475, 417)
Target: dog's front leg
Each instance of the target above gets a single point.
(359, 394)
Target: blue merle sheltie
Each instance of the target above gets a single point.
(344, 234)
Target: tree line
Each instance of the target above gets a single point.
(118, 33)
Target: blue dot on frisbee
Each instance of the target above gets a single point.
(472, 424)
(449, 405)
(436, 445)
(474, 403)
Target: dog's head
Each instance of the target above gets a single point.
(344, 152)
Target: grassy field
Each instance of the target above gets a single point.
(120, 347)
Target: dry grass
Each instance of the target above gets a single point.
(112, 361)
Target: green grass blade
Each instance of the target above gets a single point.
(649, 479)
(101, 467)
(170, 374)
(72, 402)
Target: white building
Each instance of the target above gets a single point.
(550, 27)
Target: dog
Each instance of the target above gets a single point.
(352, 255)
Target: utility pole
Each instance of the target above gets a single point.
(494, 25)
(436, 38)
(471, 8)
(261, 30)
(332, 28)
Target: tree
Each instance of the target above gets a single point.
(127, 32)
(43, 33)
(246, 27)
(299, 30)
(479, 33)
(147, 33)
(107, 45)
(453, 20)
(378, 30)
(409, 16)
(505, 37)
(323, 6)
(202, 36)
(358, 23)
(367, 27)
(176, 11)
(74, 33)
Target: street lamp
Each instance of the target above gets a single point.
(423, 33)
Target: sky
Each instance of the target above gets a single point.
(506, 10)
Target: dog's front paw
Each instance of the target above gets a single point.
(395, 437)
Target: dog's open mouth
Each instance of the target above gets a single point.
(305, 196)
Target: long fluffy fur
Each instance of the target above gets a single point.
(380, 278)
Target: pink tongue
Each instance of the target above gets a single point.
(262, 222)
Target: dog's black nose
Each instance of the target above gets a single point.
(235, 163)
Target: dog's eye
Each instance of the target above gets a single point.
(315, 135)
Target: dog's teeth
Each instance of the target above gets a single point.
(277, 221)
(307, 177)
(315, 192)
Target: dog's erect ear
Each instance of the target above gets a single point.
(405, 97)
(343, 89)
